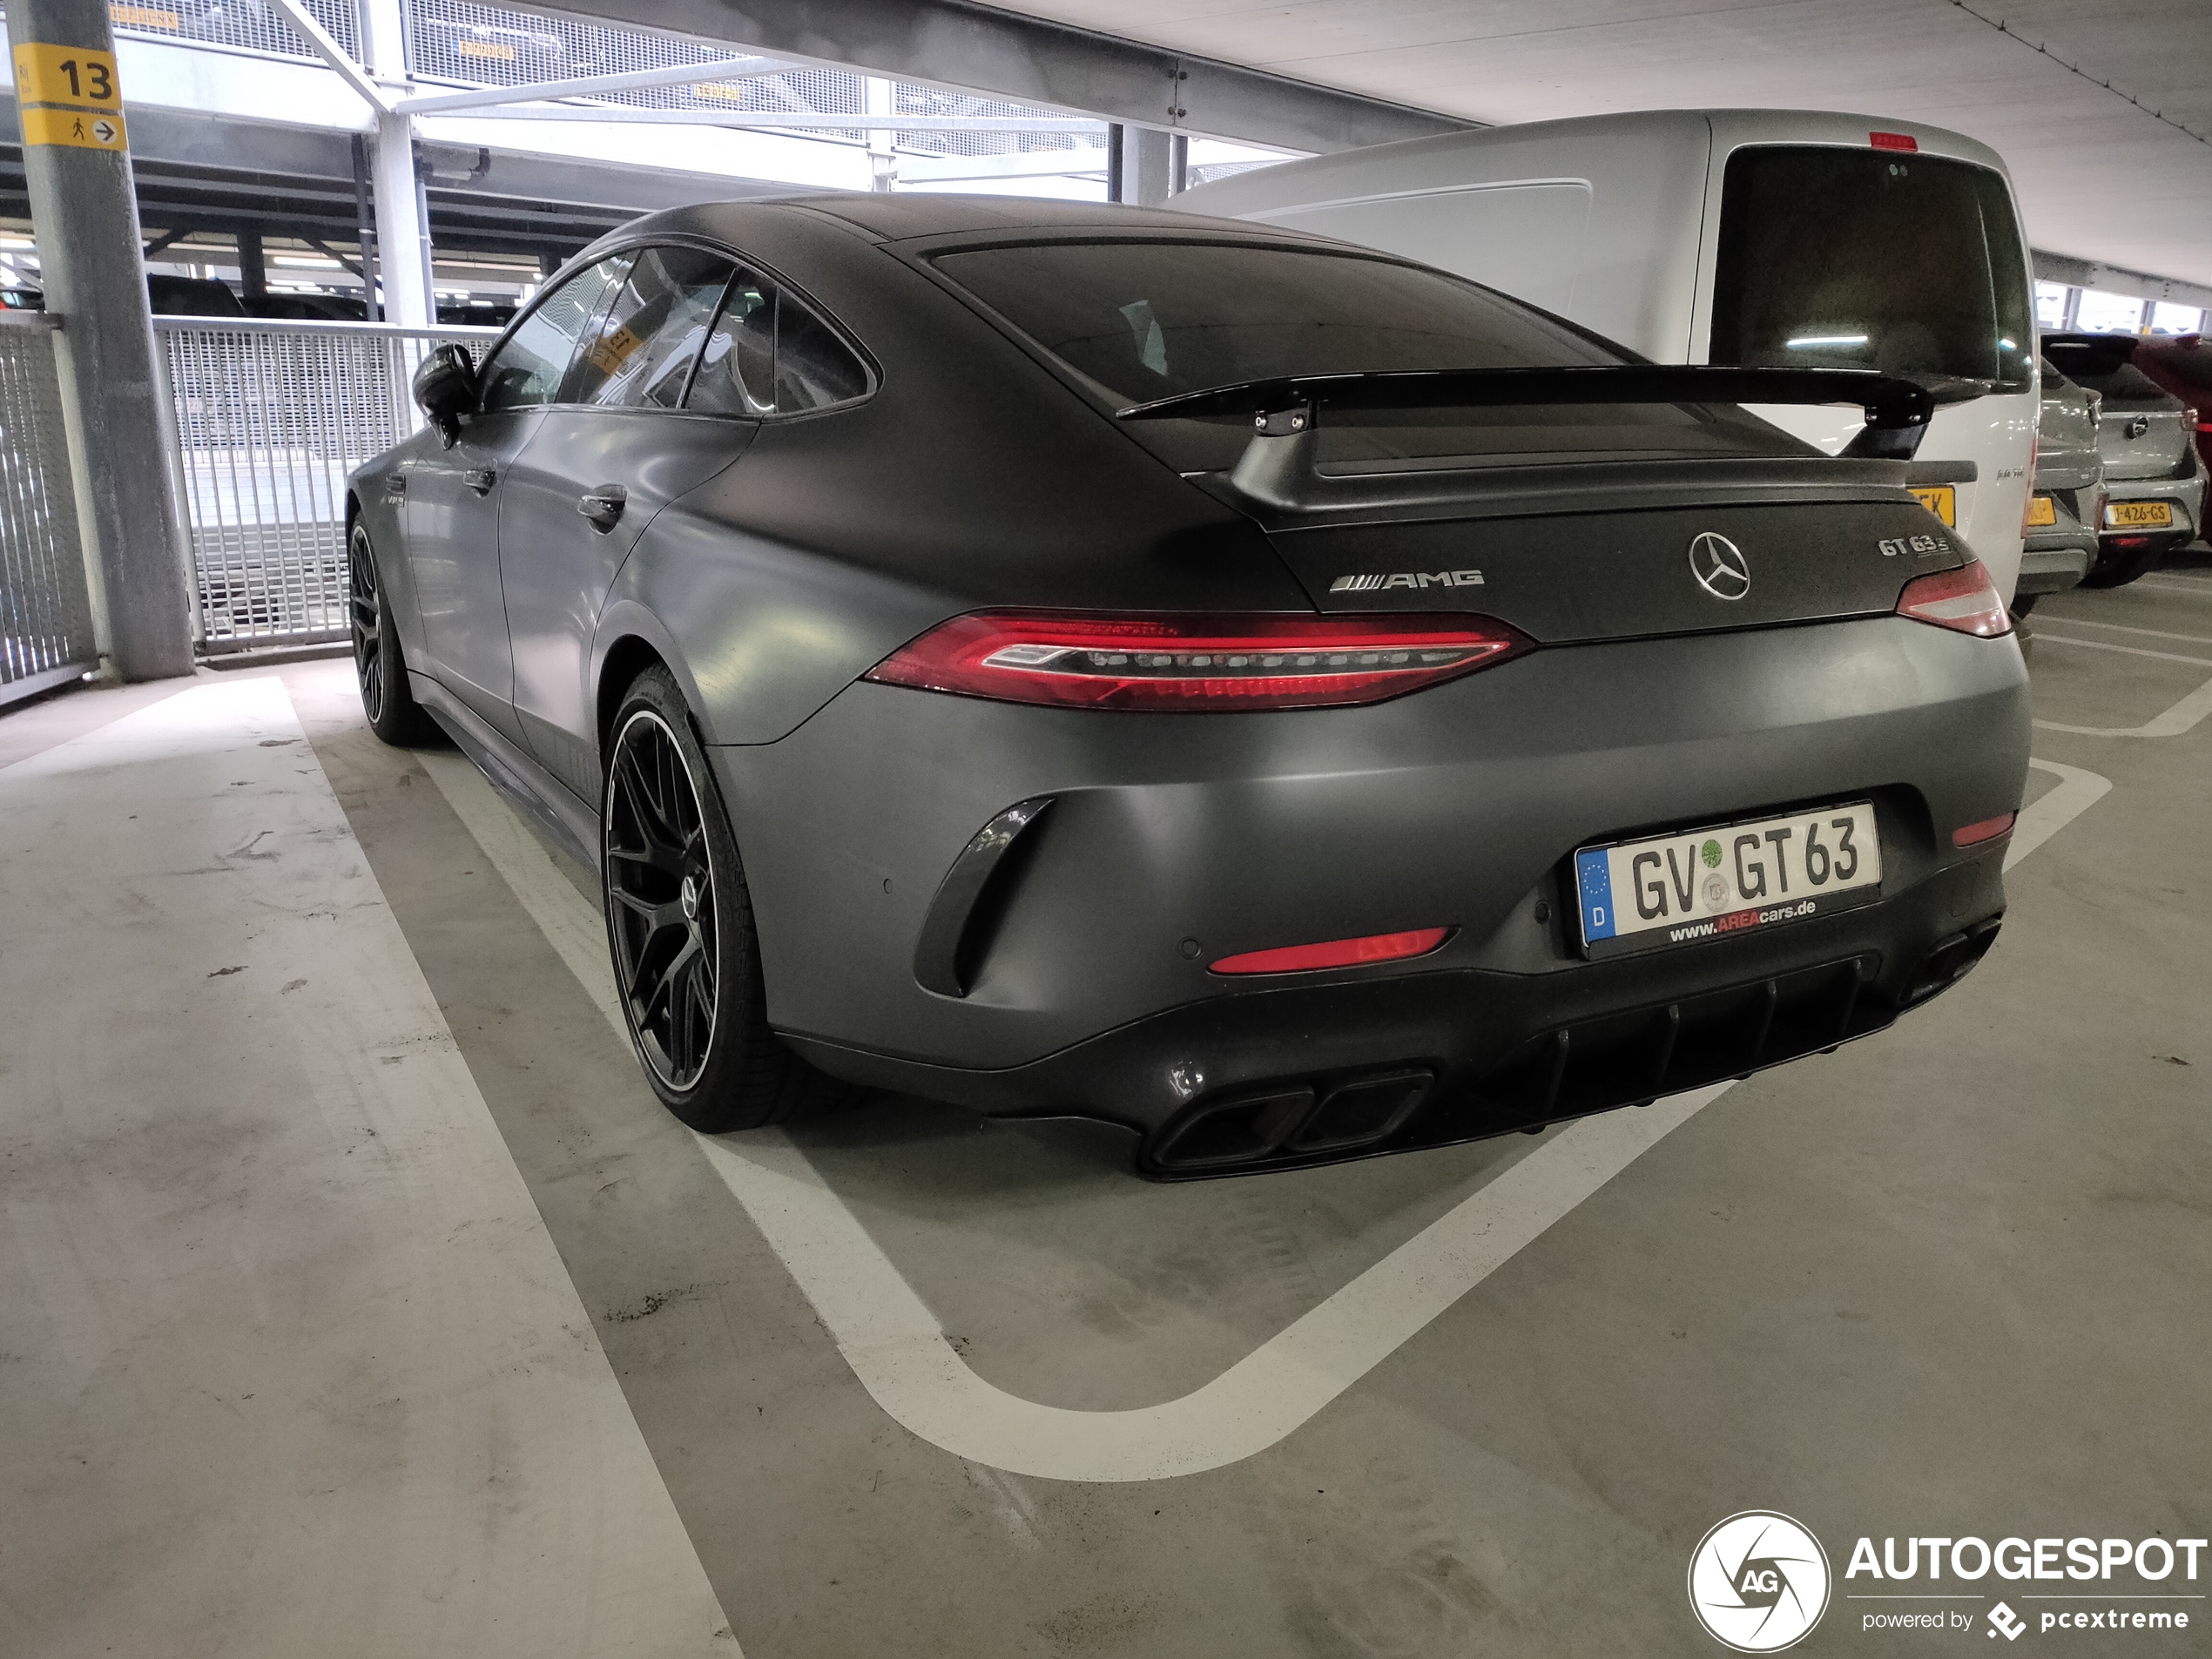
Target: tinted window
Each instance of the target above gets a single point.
(529, 367)
(640, 350)
(1858, 258)
(1151, 319)
(768, 354)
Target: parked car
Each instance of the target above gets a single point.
(2182, 367)
(21, 299)
(2066, 502)
(305, 308)
(1730, 236)
(2153, 477)
(1283, 699)
(476, 314)
(176, 296)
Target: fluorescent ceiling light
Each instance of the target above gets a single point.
(306, 259)
(1808, 343)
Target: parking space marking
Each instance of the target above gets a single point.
(2182, 716)
(2127, 650)
(2182, 584)
(2121, 628)
(897, 1347)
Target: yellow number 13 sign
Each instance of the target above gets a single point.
(69, 96)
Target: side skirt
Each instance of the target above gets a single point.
(547, 799)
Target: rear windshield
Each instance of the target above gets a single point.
(1870, 258)
(1151, 319)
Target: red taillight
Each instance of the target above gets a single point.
(1964, 599)
(1198, 662)
(1988, 830)
(1892, 141)
(1338, 953)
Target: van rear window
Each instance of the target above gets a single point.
(1832, 257)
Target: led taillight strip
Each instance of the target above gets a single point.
(1194, 662)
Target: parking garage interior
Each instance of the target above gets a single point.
(359, 1297)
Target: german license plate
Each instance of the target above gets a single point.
(1716, 883)
(1941, 500)
(2042, 513)
(2139, 515)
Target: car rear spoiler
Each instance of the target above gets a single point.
(1277, 468)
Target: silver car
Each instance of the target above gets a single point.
(2153, 478)
(2061, 543)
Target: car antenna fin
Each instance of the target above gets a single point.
(1278, 465)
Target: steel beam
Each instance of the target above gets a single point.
(85, 217)
(960, 46)
(795, 120)
(730, 69)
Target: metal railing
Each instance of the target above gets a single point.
(45, 613)
(271, 418)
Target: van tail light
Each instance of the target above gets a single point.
(1174, 663)
(1964, 599)
(1338, 953)
(1988, 830)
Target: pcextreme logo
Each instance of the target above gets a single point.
(1758, 1581)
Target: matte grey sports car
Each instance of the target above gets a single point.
(1285, 699)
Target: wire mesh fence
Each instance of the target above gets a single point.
(271, 418)
(252, 25)
(45, 613)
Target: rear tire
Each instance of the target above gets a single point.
(380, 668)
(679, 928)
(2118, 570)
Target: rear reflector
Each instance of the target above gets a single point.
(1988, 830)
(1338, 953)
(1194, 662)
(1964, 599)
(1892, 141)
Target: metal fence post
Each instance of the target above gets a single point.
(85, 216)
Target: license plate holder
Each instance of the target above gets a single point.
(1700, 886)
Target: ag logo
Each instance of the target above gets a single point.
(1719, 566)
(1758, 1581)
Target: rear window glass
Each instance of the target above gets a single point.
(1863, 259)
(1151, 319)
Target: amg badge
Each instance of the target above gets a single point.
(1407, 579)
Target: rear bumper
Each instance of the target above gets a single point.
(2185, 492)
(2056, 559)
(1174, 840)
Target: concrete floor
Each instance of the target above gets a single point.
(386, 1312)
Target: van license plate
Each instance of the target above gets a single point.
(2042, 513)
(2139, 516)
(1698, 884)
(1941, 500)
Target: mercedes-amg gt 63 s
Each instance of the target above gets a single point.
(1279, 698)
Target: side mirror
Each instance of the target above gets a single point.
(445, 389)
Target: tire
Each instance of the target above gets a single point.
(679, 928)
(2118, 570)
(380, 668)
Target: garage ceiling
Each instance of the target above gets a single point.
(2101, 177)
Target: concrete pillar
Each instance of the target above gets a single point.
(1144, 167)
(252, 268)
(402, 221)
(85, 216)
(883, 160)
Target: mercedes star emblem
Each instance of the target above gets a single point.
(1719, 566)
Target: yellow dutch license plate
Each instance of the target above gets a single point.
(1941, 500)
(2139, 516)
(2042, 513)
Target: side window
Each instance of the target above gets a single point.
(639, 351)
(529, 367)
(770, 355)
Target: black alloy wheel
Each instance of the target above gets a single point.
(380, 669)
(679, 928)
(660, 901)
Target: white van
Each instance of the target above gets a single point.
(1742, 237)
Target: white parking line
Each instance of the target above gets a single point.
(2182, 716)
(2176, 584)
(897, 1347)
(2119, 628)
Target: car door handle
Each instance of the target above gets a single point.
(604, 505)
(479, 479)
(395, 484)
